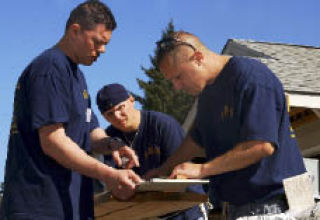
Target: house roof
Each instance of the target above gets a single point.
(297, 66)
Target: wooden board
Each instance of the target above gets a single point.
(144, 204)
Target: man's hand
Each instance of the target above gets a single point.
(129, 154)
(188, 170)
(122, 183)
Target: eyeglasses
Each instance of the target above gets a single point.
(167, 44)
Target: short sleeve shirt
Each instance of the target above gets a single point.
(158, 136)
(246, 102)
(52, 89)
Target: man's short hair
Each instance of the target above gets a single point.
(169, 42)
(110, 96)
(90, 13)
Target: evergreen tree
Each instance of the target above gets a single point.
(159, 94)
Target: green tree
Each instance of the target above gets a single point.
(159, 94)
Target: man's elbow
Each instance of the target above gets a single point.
(45, 146)
(267, 149)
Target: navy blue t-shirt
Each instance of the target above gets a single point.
(158, 136)
(247, 102)
(52, 89)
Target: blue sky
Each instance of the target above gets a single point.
(29, 27)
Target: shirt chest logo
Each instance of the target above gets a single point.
(151, 150)
(227, 112)
(85, 94)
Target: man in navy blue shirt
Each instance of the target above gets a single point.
(153, 135)
(53, 129)
(242, 124)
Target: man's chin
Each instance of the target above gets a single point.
(89, 62)
(86, 63)
(120, 127)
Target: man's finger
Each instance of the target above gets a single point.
(174, 173)
(134, 160)
(135, 178)
(127, 182)
(172, 176)
(116, 158)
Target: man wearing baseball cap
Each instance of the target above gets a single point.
(153, 135)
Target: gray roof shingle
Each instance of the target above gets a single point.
(297, 66)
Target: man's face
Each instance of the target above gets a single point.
(91, 43)
(121, 115)
(184, 75)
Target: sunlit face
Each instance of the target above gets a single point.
(185, 75)
(121, 115)
(91, 43)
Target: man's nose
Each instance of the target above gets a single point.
(101, 49)
(117, 114)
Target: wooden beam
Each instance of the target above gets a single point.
(317, 112)
(301, 116)
(312, 151)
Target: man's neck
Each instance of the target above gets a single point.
(66, 47)
(217, 63)
(137, 119)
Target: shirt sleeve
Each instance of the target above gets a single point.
(259, 116)
(48, 99)
(94, 123)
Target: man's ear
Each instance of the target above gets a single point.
(74, 29)
(198, 57)
(131, 98)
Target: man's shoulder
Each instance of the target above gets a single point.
(49, 55)
(246, 65)
(159, 117)
(160, 121)
(245, 61)
(49, 61)
(253, 71)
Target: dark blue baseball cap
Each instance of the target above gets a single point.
(111, 95)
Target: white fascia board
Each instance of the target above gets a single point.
(306, 101)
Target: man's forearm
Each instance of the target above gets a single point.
(242, 156)
(67, 153)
